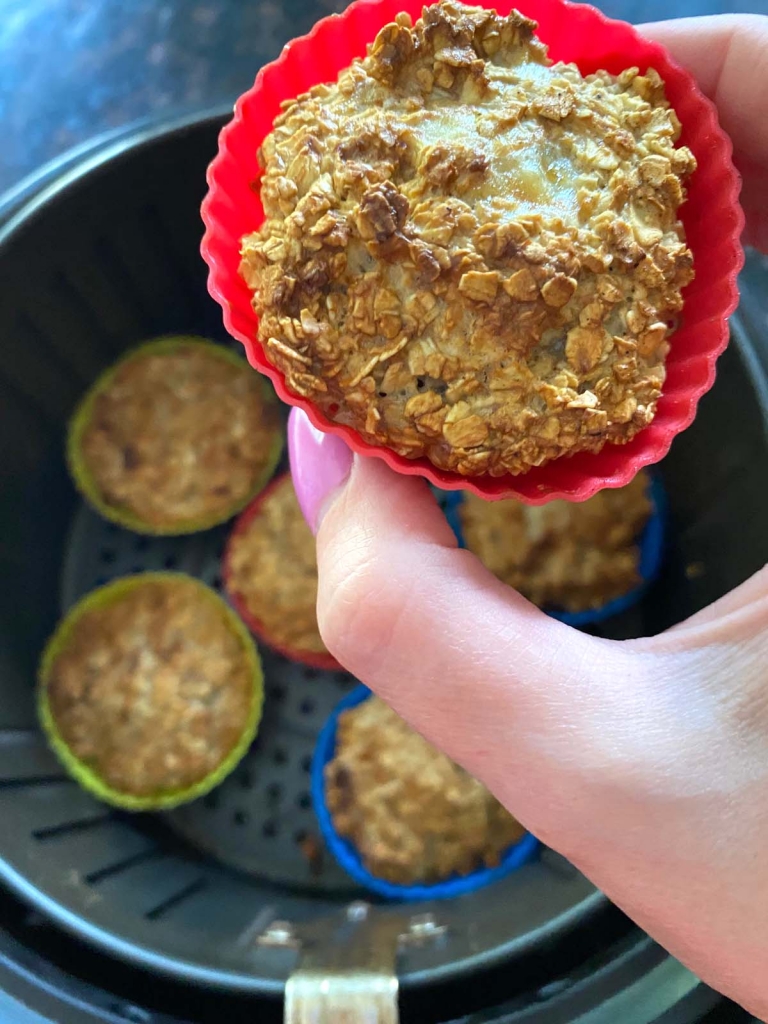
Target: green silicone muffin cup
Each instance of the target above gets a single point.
(82, 772)
(125, 517)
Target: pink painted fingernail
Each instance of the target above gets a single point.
(320, 464)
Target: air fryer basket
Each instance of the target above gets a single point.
(103, 259)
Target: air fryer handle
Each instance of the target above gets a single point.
(341, 997)
(346, 973)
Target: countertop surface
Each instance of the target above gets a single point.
(72, 69)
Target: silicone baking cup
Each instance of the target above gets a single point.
(346, 854)
(126, 517)
(315, 659)
(651, 542)
(573, 32)
(82, 772)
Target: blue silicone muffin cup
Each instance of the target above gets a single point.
(651, 543)
(524, 849)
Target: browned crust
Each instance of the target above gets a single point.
(469, 255)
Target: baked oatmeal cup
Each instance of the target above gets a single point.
(176, 437)
(469, 253)
(150, 691)
(579, 561)
(461, 268)
(270, 574)
(400, 816)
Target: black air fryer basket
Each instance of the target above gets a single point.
(221, 893)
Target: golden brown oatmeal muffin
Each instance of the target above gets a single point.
(150, 689)
(176, 438)
(271, 571)
(471, 254)
(564, 555)
(412, 814)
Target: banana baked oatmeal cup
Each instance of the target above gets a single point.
(150, 691)
(412, 814)
(572, 557)
(270, 573)
(470, 254)
(177, 437)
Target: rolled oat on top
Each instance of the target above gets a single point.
(471, 254)
(174, 438)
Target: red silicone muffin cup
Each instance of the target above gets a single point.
(573, 32)
(314, 659)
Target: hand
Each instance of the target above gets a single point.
(728, 56)
(643, 762)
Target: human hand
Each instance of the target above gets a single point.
(643, 762)
(728, 56)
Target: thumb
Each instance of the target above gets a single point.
(642, 762)
(525, 703)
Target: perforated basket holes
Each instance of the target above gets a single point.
(260, 819)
